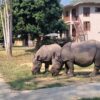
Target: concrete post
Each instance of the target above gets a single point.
(71, 23)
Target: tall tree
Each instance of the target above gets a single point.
(6, 18)
(23, 20)
(37, 17)
(48, 15)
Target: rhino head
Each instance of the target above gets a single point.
(36, 66)
(56, 64)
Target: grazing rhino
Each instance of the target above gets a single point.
(44, 55)
(82, 54)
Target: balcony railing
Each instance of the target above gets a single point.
(66, 18)
(74, 18)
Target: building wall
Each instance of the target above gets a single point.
(94, 19)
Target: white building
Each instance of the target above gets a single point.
(83, 17)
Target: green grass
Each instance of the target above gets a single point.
(90, 99)
(16, 71)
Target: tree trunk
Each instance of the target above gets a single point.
(9, 36)
(38, 43)
(6, 18)
(4, 32)
(30, 42)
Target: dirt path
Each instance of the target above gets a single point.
(71, 92)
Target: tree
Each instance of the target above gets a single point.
(48, 15)
(23, 20)
(6, 19)
(37, 17)
(60, 26)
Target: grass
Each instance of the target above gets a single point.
(17, 72)
(90, 99)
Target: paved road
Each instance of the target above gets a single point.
(72, 92)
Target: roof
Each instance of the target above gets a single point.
(77, 2)
(52, 34)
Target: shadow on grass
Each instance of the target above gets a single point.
(52, 85)
(22, 83)
(33, 50)
(84, 74)
(27, 51)
(90, 99)
(22, 55)
(32, 83)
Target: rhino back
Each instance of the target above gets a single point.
(45, 53)
(66, 53)
(84, 52)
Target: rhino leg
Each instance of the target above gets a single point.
(95, 71)
(96, 63)
(66, 68)
(46, 67)
(71, 68)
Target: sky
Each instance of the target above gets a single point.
(64, 2)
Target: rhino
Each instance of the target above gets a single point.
(44, 55)
(83, 54)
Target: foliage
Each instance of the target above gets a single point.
(37, 16)
(22, 16)
(60, 26)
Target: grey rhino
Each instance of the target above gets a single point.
(82, 54)
(44, 55)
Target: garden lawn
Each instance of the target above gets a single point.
(16, 71)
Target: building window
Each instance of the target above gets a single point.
(86, 26)
(67, 13)
(74, 12)
(97, 9)
(86, 11)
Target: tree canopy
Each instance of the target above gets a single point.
(37, 16)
